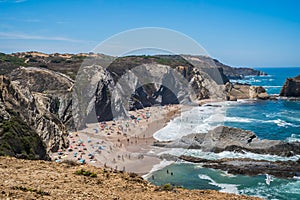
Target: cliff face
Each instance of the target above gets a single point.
(50, 102)
(239, 91)
(39, 99)
(291, 87)
(234, 72)
(51, 90)
(135, 82)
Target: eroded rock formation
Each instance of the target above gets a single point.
(291, 87)
(225, 138)
(39, 99)
(244, 91)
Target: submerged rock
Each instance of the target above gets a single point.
(251, 167)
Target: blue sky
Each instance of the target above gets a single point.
(255, 33)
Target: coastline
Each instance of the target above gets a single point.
(125, 145)
(129, 148)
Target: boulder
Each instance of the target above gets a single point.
(244, 91)
(291, 87)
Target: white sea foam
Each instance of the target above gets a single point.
(229, 188)
(239, 119)
(226, 174)
(293, 138)
(164, 163)
(272, 86)
(274, 192)
(293, 118)
(198, 120)
(227, 154)
(280, 122)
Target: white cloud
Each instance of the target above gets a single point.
(20, 36)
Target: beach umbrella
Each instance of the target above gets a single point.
(82, 161)
(101, 148)
(96, 130)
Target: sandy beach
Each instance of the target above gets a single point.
(125, 145)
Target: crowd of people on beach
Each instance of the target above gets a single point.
(107, 144)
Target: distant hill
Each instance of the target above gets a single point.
(69, 64)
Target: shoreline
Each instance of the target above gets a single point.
(124, 145)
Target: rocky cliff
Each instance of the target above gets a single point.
(138, 81)
(234, 72)
(38, 99)
(291, 87)
(244, 91)
(47, 98)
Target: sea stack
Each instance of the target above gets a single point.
(291, 87)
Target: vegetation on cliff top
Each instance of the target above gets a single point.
(9, 63)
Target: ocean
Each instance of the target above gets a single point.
(271, 119)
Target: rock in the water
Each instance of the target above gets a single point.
(291, 87)
(244, 91)
(250, 167)
(224, 138)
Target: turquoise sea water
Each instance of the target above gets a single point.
(278, 120)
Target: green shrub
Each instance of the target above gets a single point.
(24, 189)
(19, 140)
(167, 187)
(86, 173)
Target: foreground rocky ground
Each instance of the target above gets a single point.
(25, 179)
